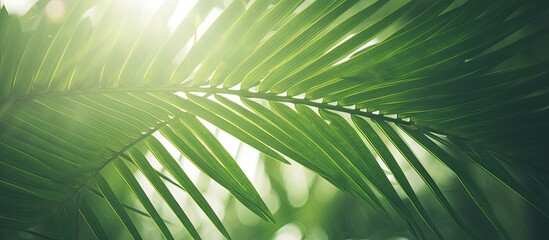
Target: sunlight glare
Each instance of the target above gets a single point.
(297, 182)
(366, 45)
(208, 21)
(183, 8)
(17, 7)
(290, 231)
(56, 10)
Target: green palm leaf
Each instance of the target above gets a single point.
(344, 88)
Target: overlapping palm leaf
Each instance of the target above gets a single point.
(340, 87)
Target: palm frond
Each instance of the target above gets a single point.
(340, 87)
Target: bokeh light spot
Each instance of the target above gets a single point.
(56, 10)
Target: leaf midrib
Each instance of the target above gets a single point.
(240, 93)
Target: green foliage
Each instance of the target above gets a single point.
(95, 93)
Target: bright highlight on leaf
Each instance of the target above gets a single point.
(133, 119)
